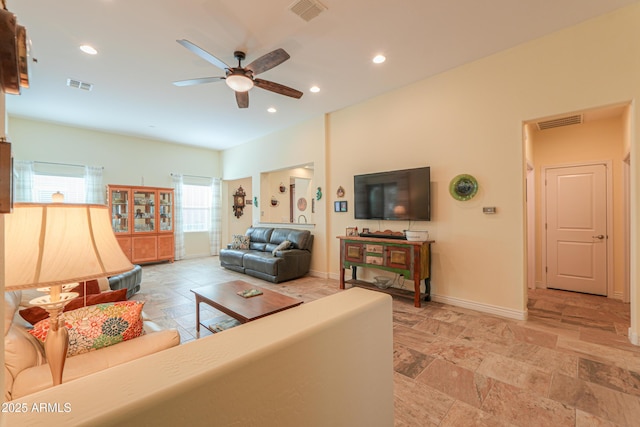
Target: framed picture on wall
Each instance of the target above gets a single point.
(343, 206)
(336, 206)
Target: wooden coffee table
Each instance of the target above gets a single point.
(224, 297)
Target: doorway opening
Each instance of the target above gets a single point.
(553, 146)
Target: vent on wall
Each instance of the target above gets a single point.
(307, 9)
(79, 85)
(562, 121)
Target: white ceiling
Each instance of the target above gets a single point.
(139, 58)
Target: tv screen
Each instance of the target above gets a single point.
(394, 195)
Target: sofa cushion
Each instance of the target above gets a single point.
(39, 378)
(97, 326)
(240, 241)
(259, 234)
(232, 256)
(300, 239)
(257, 246)
(35, 314)
(262, 262)
(21, 351)
(11, 304)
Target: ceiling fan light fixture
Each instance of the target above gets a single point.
(239, 82)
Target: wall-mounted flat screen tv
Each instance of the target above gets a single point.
(394, 195)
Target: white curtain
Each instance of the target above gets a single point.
(23, 177)
(93, 189)
(178, 182)
(216, 220)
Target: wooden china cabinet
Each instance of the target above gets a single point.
(142, 220)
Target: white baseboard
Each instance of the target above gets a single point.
(320, 274)
(484, 308)
(192, 256)
(633, 337)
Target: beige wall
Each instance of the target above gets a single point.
(126, 160)
(600, 140)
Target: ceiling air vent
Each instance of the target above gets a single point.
(79, 85)
(307, 9)
(562, 121)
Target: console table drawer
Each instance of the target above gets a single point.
(374, 249)
(374, 260)
(399, 257)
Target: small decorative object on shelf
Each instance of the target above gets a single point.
(352, 231)
(238, 202)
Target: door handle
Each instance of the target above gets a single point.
(599, 236)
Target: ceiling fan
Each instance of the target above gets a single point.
(240, 78)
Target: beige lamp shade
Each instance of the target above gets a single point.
(55, 244)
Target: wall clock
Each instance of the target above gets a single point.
(463, 187)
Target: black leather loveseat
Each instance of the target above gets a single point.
(261, 259)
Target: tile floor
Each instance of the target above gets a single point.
(570, 364)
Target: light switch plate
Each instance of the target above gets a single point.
(489, 209)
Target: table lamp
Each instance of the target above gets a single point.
(48, 246)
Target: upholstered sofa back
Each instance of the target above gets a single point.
(328, 362)
(266, 239)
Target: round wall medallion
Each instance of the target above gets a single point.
(302, 204)
(463, 187)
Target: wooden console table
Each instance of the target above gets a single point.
(409, 258)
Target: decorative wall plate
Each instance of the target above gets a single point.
(463, 187)
(302, 204)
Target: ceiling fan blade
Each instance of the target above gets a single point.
(277, 88)
(199, 81)
(268, 61)
(203, 54)
(242, 98)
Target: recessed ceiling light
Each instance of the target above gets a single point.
(88, 49)
(314, 89)
(271, 110)
(379, 59)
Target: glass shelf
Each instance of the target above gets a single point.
(119, 210)
(144, 211)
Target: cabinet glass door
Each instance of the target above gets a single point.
(166, 211)
(119, 210)
(144, 203)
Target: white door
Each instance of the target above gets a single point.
(576, 228)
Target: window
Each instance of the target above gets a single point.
(72, 187)
(196, 207)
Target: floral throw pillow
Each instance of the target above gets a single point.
(97, 326)
(239, 241)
